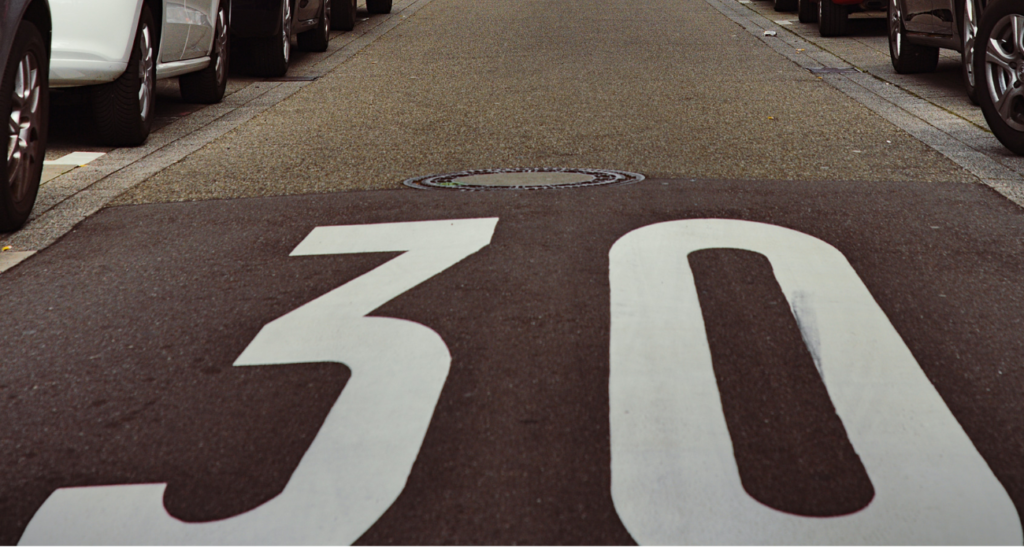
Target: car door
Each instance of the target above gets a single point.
(175, 31)
(201, 23)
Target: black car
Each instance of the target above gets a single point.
(25, 28)
(918, 28)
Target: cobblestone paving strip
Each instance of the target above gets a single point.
(959, 135)
(73, 196)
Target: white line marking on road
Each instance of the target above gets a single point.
(78, 158)
(11, 259)
(674, 475)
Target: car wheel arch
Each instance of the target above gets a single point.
(38, 13)
(156, 7)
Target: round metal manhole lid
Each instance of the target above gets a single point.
(524, 178)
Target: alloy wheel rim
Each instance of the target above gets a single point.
(894, 27)
(23, 126)
(970, 32)
(145, 73)
(327, 19)
(221, 45)
(286, 29)
(1004, 68)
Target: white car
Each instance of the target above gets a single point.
(120, 47)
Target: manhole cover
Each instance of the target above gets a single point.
(524, 178)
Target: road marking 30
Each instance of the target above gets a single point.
(674, 477)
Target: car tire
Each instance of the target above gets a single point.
(997, 72)
(378, 6)
(786, 5)
(269, 56)
(908, 58)
(970, 31)
(318, 39)
(832, 18)
(807, 11)
(208, 85)
(123, 109)
(24, 102)
(345, 16)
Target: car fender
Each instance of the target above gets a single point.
(92, 40)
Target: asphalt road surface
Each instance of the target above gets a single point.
(804, 327)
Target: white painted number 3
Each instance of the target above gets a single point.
(360, 459)
(674, 476)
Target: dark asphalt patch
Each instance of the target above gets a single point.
(119, 341)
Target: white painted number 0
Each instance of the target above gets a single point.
(360, 459)
(674, 476)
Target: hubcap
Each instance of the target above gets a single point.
(895, 37)
(23, 126)
(145, 73)
(221, 45)
(970, 31)
(286, 29)
(327, 19)
(1004, 69)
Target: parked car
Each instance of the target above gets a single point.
(263, 29)
(998, 66)
(120, 47)
(25, 27)
(831, 15)
(919, 28)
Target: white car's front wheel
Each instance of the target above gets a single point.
(24, 101)
(123, 109)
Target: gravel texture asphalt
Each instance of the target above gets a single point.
(667, 88)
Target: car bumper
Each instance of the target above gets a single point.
(91, 40)
(79, 72)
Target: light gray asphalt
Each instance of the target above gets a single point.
(667, 88)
